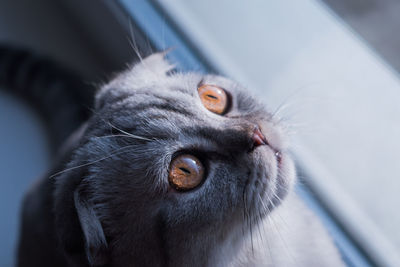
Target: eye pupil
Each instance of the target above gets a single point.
(185, 170)
(211, 96)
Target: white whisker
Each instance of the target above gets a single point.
(129, 134)
(116, 152)
(270, 218)
(133, 43)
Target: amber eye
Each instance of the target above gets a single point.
(214, 98)
(185, 172)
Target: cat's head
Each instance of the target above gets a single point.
(172, 169)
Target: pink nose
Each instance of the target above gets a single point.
(258, 138)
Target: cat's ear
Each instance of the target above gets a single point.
(95, 241)
(144, 73)
(155, 64)
(78, 227)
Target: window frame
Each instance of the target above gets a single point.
(150, 18)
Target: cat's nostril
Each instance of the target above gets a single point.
(258, 138)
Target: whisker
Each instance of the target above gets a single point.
(121, 130)
(244, 210)
(266, 212)
(280, 235)
(133, 43)
(111, 135)
(129, 134)
(116, 152)
(291, 97)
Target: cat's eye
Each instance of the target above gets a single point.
(213, 98)
(185, 172)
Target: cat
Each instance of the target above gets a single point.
(172, 169)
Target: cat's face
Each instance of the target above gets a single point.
(144, 120)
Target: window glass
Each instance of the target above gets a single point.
(339, 98)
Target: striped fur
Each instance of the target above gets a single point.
(112, 203)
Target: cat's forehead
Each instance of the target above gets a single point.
(189, 81)
(156, 73)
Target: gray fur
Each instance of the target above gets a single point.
(115, 186)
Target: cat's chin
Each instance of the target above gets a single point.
(271, 180)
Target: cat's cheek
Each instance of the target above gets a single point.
(265, 155)
(286, 174)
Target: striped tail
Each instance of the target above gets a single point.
(62, 99)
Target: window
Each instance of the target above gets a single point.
(340, 96)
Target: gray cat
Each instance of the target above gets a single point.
(173, 169)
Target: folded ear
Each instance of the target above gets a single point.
(95, 241)
(155, 64)
(78, 228)
(142, 74)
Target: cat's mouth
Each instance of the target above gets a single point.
(259, 139)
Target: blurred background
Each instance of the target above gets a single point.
(329, 68)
